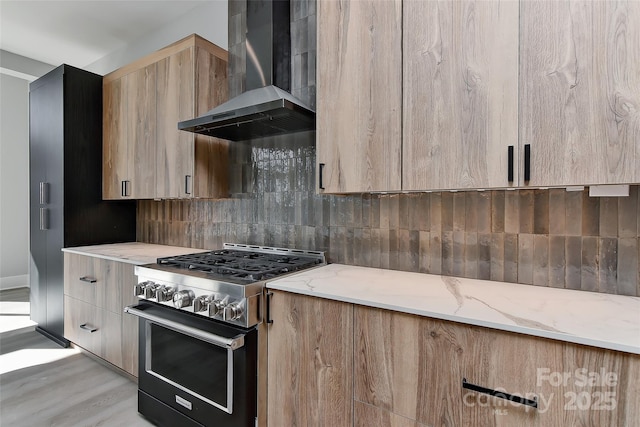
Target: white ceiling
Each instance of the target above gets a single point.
(81, 32)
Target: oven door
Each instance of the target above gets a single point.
(200, 367)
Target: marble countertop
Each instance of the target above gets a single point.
(595, 319)
(132, 253)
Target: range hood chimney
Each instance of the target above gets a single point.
(266, 108)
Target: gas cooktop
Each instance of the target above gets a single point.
(225, 284)
(241, 266)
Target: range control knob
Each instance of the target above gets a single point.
(232, 311)
(150, 290)
(215, 307)
(201, 303)
(164, 293)
(138, 289)
(183, 298)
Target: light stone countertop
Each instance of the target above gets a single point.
(595, 319)
(133, 253)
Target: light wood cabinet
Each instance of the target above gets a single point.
(96, 292)
(365, 415)
(414, 367)
(176, 83)
(359, 82)
(140, 89)
(494, 94)
(116, 159)
(310, 369)
(580, 91)
(94, 329)
(460, 93)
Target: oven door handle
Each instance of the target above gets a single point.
(229, 343)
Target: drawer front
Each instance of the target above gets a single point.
(93, 280)
(94, 329)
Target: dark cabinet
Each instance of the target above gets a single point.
(66, 206)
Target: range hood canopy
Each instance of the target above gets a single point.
(266, 108)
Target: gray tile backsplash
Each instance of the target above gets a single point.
(541, 237)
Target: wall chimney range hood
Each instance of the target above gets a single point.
(266, 108)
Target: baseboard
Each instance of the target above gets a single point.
(13, 282)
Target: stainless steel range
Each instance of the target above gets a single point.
(201, 331)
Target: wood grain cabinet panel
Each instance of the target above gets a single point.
(100, 305)
(94, 329)
(369, 416)
(460, 93)
(127, 279)
(116, 163)
(580, 91)
(310, 362)
(92, 280)
(598, 387)
(140, 87)
(145, 102)
(359, 84)
(413, 367)
(174, 155)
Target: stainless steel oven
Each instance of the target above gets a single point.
(202, 341)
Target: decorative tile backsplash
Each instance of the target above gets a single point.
(540, 237)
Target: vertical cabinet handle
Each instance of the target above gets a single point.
(44, 193)
(86, 327)
(187, 184)
(88, 279)
(268, 304)
(510, 164)
(527, 162)
(44, 219)
(321, 169)
(124, 188)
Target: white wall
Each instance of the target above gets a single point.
(208, 21)
(14, 181)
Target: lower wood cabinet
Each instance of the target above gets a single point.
(96, 291)
(415, 367)
(310, 368)
(338, 364)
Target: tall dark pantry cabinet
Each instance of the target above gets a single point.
(65, 167)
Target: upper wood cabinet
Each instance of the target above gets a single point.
(494, 94)
(460, 93)
(145, 154)
(580, 91)
(359, 82)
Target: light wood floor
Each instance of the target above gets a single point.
(72, 391)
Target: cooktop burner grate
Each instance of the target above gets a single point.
(240, 265)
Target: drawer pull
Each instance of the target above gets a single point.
(502, 395)
(88, 328)
(88, 279)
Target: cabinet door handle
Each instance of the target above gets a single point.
(44, 193)
(44, 219)
(510, 164)
(88, 279)
(527, 162)
(187, 184)
(268, 304)
(86, 327)
(321, 169)
(502, 395)
(124, 188)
